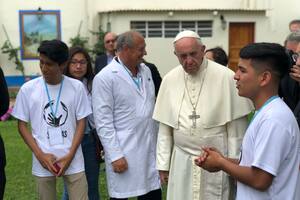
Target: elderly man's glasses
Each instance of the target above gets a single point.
(109, 41)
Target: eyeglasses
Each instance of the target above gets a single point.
(108, 41)
(81, 62)
(295, 56)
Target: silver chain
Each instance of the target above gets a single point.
(185, 84)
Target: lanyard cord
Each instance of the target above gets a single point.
(58, 97)
(266, 103)
(137, 80)
(202, 82)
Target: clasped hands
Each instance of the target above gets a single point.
(210, 159)
(56, 166)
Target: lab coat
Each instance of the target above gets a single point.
(123, 118)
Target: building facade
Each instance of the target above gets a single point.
(229, 24)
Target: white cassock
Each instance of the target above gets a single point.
(221, 122)
(123, 118)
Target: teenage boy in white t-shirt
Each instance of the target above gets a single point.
(269, 163)
(55, 106)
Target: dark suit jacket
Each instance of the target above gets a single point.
(155, 76)
(289, 90)
(100, 62)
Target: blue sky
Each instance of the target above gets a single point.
(47, 24)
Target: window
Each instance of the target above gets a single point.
(188, 25)
(139, 26)
(154, 29)
(204, 28)
(169, 29)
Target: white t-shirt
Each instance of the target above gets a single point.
(271, 143)
(53, 134)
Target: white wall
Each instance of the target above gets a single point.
(160, 50)
(179, 4)
(271, 26)
(71, 13)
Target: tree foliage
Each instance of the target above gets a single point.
(96, 49)
(13, 54)
(78, 40)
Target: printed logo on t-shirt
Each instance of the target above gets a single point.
(56, 121)
(241, 154)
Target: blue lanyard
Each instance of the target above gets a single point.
(266, 103)
(58, 97)
(137, 80)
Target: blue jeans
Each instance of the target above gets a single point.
(92, 167)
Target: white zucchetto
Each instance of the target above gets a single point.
(186, 33)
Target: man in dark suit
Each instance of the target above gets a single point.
(155, 75)
(290, 84)
(110, 46)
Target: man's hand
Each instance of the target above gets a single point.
(211, 160)
(164, 176)
(201, 159)
(295, 73)
(63, 164)
(120, 165)
(47, 160)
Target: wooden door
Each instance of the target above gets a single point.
(240, 34)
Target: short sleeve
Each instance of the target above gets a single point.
(21, 107)
(271, 146)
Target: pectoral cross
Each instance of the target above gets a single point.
(194, 117)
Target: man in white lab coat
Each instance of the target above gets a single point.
(123, 103)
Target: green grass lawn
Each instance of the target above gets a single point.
(20, 182)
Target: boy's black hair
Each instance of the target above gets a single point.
(55, 50)
(271, 56)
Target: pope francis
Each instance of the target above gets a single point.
(197, 106)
